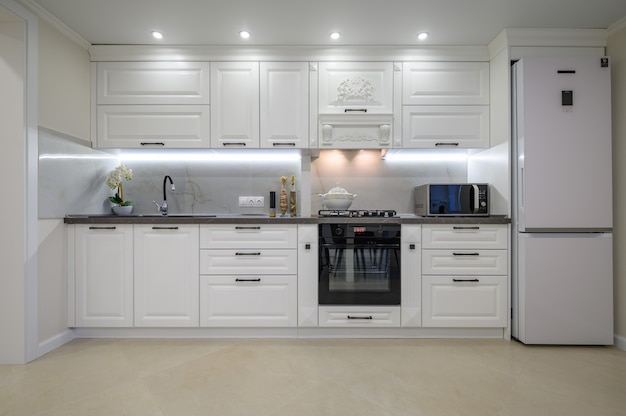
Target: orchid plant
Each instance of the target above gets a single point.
(114, 181)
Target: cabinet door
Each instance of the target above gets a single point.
(465, 236)
(249, 236)
(453, 127)
(234, 105)
(449, 83)
(307, 276)
(166, 275)
(153, 83)
(356, 87)
(284, 105)
(411, 282)
(266, 301)
(104, 276)
(153, 126)
(465, 262)
(464, 301)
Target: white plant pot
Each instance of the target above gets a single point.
(123, 210)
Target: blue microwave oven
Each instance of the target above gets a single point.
(452, 199)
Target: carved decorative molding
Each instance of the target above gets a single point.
(356, 90)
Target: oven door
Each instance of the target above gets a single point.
(359, 271)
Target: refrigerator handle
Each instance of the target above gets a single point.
(476, 203)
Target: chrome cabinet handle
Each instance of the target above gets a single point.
(102, 228)
(247, 228)
(466, 254)
(446, 144)
(248, 280)
(152, 144)
(247, 254)
(290, 144)
(465, 228)
(368, 318)
(465, 280)
(165, 228)
(234, 144)
(361, 110)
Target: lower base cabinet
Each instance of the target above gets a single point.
(166, 275)
(359, 316)
(464, 301)
(261, 301)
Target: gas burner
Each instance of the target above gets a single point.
(350, 213)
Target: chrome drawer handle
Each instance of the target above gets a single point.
(465, 280)
(247, 228)
(102, 228)
(247, 254)
(165, 228)
(361, 317)
(248, 280)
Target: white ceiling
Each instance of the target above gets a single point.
(299, 22)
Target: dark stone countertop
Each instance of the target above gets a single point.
(266, 219)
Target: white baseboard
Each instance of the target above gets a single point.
(620, 342)
(56, 341)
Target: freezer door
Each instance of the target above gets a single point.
(563, 142)
(564, 289)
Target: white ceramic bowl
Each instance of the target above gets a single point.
(337, 203)
(338, 198)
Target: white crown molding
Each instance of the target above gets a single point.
(557, 37)
(45, 15)
(617, 26)
(294, 53)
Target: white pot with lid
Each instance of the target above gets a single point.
(338, 198)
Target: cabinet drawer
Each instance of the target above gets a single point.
(153, 83)
(268, 301)
(253, 236)
(470, 236)
(442, 127)
(153, 126)
(464, 301)
(465, 262)
(437, 83)
(248, 262)
(359, 316)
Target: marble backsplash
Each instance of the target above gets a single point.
(72, 179)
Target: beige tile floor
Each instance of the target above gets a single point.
(277, 377)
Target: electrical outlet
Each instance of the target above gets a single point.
(251, 201)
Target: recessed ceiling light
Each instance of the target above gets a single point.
(244, 34)
(422, 36)
(157, 35)
(335, 35)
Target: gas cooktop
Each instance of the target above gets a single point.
(358, 213)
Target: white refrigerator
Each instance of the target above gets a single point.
(562, 258)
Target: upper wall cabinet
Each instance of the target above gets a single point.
(284, 105)
(152, 105)
(356, 105)
(153, 83)
(445, 105)
(235, 105)
(356, 87)
(445, 83)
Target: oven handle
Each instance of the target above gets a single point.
(369, 318)
(349, 246)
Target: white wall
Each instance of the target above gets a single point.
(616, 49)
(64, 105)
(12, 212)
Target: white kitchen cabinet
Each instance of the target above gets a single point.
(465, 301)
(445, 83)
(308, 275)
(166, 275)
(359, 316)
(248, 275)
(465, 275)
(411, 277)
(103, 275)
(235, 105)
(153, 126)
(284, 106)
(445, 126)
(255, 300)
(356, 105)
(152, 83)
(356, 87)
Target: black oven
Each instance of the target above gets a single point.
(359, 264)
